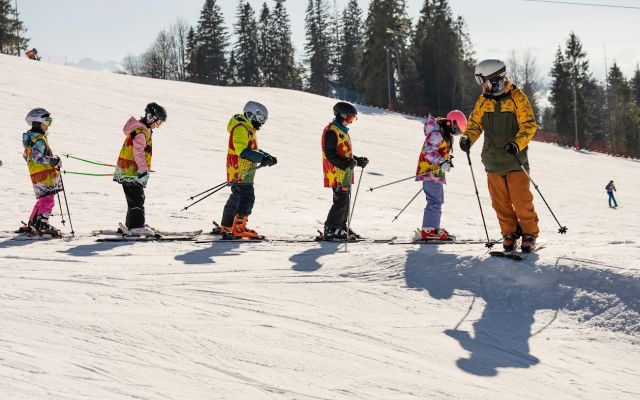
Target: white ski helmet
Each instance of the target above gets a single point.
(493, 71)
(38, 115)
(256, 112)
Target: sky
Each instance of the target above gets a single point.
(110, 29)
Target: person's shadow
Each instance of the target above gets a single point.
(205, 255)
(307, 261)
(501, 336)
(88, 250)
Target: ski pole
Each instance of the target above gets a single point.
(208, 190)
(221, 186)
(563, 229)
(64, 192)
(354, 200)
(475, 185)
(89, 161)
(405, 207)
(61, 213)
(404, 179)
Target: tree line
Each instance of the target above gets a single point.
(383, 60)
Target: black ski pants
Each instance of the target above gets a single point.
(240, 202)
(135, 205)
(339, 212)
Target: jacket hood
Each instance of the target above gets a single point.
(239, 119)
(132, 124)
(28, 136)
(430, 125)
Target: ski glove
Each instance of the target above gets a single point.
(351, 163)
(268, 160)
(361, 161)
(143, 178)
(465, 144)
(55, 162)
(511, 148)
(446, 166)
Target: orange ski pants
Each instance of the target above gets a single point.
(512, 199)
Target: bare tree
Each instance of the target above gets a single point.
(524, 72)
(131, 64)
(179, 33)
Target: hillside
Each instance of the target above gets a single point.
(88, 320)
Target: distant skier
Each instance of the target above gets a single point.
(434, 161)
(44, 170)
(504, 114)
(134, 165)
(243, 157)
(338, 163)
(610, 188)
(33, 54)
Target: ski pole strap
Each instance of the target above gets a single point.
(91, 174)
(405, 179)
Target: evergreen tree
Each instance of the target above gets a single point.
(232, 75)
(191, 63)
(266, 55)
(12, 31)
(210, 42)
(317, 47)
(285, 72)
(635, 85)
(562, 98)
(350, 51)
(247, 57)
(438, 55)
(384, 44)
(625, 133)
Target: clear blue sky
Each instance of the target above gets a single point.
(111, 29)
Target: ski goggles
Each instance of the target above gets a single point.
(449, 126)
(351, 118)
(260, 118)
(48, 121)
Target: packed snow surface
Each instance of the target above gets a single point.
(87, 320)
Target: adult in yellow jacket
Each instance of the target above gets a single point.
(503, 113)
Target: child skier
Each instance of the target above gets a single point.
(44, 170)
(243, 157)
(134, 165)
(338, 163)
(434, 161)
(610, 188)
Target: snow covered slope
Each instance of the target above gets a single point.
(87, 320)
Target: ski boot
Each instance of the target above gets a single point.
(353, 235)
(510, 241)
(43, 228)
(528, 243)
(434, 234)
(239, 229)
(333, 235)
(219, 229)
(144, 231)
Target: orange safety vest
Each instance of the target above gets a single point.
(334, 176)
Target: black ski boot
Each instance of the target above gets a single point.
(528, 243)
(43, 228)
(510, 241)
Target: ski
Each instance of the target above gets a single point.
(147, 239)
(119, 232)
(437, 241)
(515, 255)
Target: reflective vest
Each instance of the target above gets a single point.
(45, 178)
(334, 176)
(242, 135)
(126, 162)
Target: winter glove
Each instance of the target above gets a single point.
(511, 148)
(268, 160)
(143, 178)
(465, 144)
(55, 162)
(361, 161)
(445, 166)
(351, 163)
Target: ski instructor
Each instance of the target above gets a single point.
(504, 114)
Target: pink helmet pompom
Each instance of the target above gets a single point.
(459, 118)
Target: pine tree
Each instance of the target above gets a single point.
(210, 43)
(438, 55)
(384, 44)
(350, 51)
(562, 98)
(191, 63)
(285, 73)
(317, 47)
(246, 48)
(265, 49)
(625, 132)
(232, 74)
(12, 38)
(635, 85)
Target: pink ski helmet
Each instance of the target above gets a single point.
(459, 118)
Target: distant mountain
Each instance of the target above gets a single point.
(91, 64)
